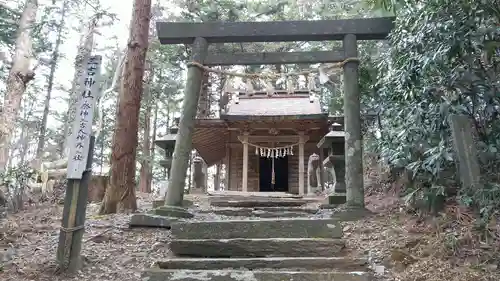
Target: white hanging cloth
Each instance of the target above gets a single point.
(323, 77)
(228, 86)
(249, 89)
(311, 83)
(289, 85)
(268, 86)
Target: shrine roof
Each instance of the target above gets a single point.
(299, 106)
(335, 134)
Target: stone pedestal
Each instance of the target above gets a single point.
(337, 199)
(160, 202)
(338, 163)
(199, 176)
(148, 220)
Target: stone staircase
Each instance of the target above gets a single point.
(263, 212)
(259, 243)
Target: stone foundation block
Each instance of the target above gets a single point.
(295, 263)
(271, 247)
(172, 211)
(244, 275)
(149, 220)
(160, 202)
(337, 199)
(262, 228)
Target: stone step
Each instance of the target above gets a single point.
(149, 220)
(287, 209)
(262, 228)
(337, 199)
(250, 194)
(289, 263)
(263, 212)
(247, 275)
(268, 247)
(259, 202)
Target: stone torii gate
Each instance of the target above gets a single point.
(200, 35)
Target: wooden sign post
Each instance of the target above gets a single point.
(79, 170)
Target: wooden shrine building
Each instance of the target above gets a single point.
(264, 141)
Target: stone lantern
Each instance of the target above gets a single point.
(167, 143)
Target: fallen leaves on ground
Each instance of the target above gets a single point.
(399, 246)
(408, 248)
(111, 251)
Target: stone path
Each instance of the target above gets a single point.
(259, 242)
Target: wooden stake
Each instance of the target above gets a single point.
(73, 221)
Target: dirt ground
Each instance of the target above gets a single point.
(111, 250)
(399, 246)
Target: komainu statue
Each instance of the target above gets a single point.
(313, 174)
(335, 168)
(331, 176)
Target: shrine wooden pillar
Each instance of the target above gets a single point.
(302, 169)
(352, 125)
(244, 184)
(227, 170)
(322, 169)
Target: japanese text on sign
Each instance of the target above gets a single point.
(82, 126)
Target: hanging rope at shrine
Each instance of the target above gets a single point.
(273, 176)
(324, 72)
(272, 152)
(322, 69)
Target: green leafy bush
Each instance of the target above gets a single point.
(443, 59)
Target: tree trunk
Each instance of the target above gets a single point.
(190, 172)
(24, 145)
(84, 52)
(50, 83)
(103, 143)
(153, 146)
(121, 68)
(121, 193)
(167, 131)
(145, 173)
(12, 149)
(168, 119)
(28, 107)
(19, 76)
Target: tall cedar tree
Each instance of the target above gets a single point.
(120, 195)
(19, 76)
